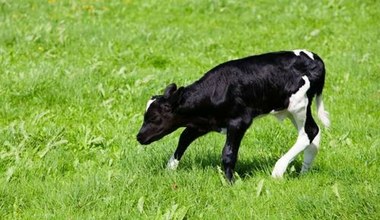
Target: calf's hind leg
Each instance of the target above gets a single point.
(314, 135)
(307, 141)
(299, 110)
(301, 143)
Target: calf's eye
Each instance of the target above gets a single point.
(156, 120)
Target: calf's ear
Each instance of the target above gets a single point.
(174, 100)
(170, 89)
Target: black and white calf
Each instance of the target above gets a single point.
(228, 97)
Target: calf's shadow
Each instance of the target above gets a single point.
(245, 168)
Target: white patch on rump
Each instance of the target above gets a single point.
(308, 53)
(299, 100)
(149, 103)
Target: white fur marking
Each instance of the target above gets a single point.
(310, 153)
(280, 115)
(308, 53)
(298, 103)
(149, 103)
(172, 163)
(306, 86)
(317, 139)
(223, 130)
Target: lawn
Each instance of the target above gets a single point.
(75, 77)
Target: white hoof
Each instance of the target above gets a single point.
(172, 163)
(279, 169)
(305, 168)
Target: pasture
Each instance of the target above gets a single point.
(75, 77)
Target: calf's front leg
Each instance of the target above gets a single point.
(235, 133)
(187, 137)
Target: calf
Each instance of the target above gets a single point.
(228, 97)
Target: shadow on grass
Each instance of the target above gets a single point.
(248, 168)
(245, 168)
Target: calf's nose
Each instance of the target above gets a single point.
(139, 137)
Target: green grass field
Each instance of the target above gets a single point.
(75, 77)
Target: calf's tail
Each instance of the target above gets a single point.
(323, 115)
(318, 75)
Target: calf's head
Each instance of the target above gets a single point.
(160, 117)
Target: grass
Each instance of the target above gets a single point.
(75, 77)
